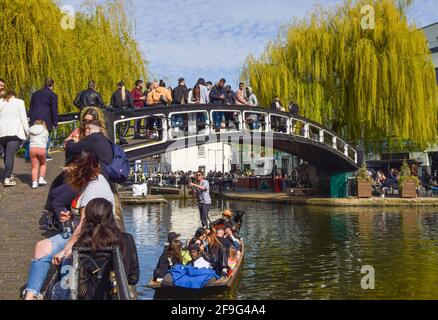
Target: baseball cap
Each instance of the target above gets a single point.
(172, 236)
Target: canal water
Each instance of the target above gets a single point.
(300, 252)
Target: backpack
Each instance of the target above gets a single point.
(118, 170)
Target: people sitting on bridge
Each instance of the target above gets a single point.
(252, 99)
(159, 94)
(89, 98)
(83, 175)
(276, 104)
(100, 231)
(139, 103)
(380, 183)
(180, 93)
(241, 95)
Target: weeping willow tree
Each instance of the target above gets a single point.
(35, 45)
(367, 84)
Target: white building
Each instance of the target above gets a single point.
(208, 157)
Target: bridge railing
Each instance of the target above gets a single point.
(169, 123)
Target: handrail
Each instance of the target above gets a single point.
(166, 112)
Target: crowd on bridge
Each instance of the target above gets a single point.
(34, 128)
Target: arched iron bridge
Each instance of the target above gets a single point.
(180, 126)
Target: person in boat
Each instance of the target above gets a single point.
(230, 234)
(233, 258)
(226, 218)
(170, 257)
(198, 260)
(200, 238)
(83, 175)
(217, 255)
(100, 231)
(225, 241)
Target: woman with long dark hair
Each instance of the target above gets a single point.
(217, 255)
(83, 175)
(170, 257)
(100, 231)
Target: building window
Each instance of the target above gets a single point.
(201, 152)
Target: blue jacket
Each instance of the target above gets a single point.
(215, 94)
(191, 277)
(44, 106)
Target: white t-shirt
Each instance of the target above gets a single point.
(98, 188)
(202, 263)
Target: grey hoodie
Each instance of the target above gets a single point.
(39, 136)
(252, 99)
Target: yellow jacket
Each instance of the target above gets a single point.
(154, 97)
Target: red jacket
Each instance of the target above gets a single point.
(136, 95)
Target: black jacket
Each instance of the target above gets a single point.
(274, 105)
(294, 109)
(130, 259)
(118, 103)
(215, 94)
(163, 266)
(96, 142)
(88, 98)
(219, 259)
(44, 106)
(179, 93)
(230, 98)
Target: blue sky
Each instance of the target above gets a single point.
(211, 39)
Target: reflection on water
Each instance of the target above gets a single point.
(297, 252)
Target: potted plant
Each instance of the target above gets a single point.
(408, 182)
(364, 183)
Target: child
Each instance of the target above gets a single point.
(39, 137)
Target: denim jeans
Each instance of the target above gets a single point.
(61, 289)
(217, 119)
(203, 213)
(40, 267)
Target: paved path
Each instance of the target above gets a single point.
(21, 214)
(348, 202)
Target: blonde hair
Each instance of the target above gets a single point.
(123, 93)
(41, 123)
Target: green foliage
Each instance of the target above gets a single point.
(34, 46)
(407, 176)
(362, 174)
(366, 84)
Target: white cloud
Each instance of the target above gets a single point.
(211, 39)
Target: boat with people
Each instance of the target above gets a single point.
(191, 276)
